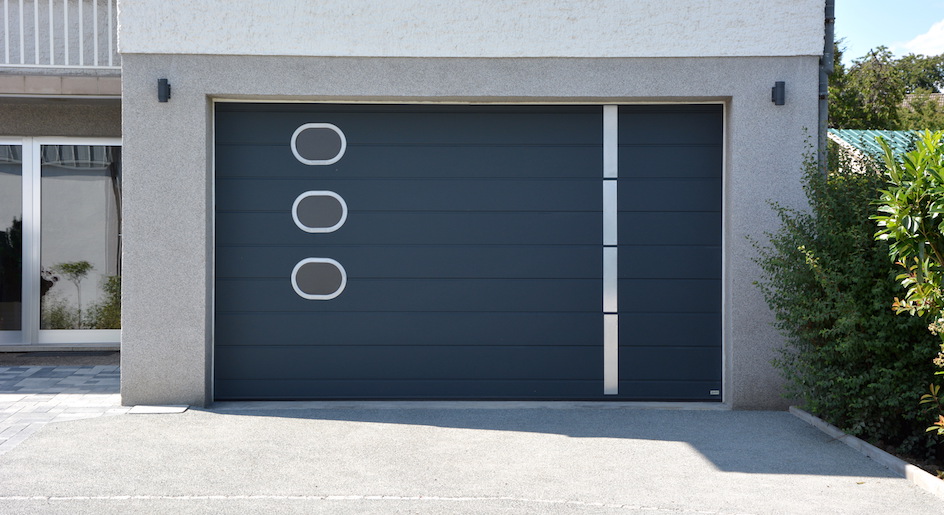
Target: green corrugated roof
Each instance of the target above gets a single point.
(864, 140)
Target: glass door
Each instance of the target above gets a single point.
(67, 226)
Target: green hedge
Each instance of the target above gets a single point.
(831, 284)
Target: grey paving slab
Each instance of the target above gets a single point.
(454, 458)
(31, 397)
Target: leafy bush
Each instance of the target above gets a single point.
(831, 284)
(107, 313)
(912, 221)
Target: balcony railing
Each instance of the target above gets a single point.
(59, 34)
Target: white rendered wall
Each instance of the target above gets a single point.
(473, 28)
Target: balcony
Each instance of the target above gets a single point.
(40, 36)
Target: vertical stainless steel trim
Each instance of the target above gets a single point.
(610, 356)
(610, 252)
(610, 141)
(610, 283)
(609, 212)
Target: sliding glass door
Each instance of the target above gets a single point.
(61, 257)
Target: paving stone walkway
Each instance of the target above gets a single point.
(33, 396)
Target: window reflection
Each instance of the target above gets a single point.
(11, 237)
(80, 283)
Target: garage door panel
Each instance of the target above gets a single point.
(669, 390)
(670, 330)
(385, 162)
(387, 363)
(417, 194)
(447, 125)
(275, 295)
(683, 161)
(669, 195)
(668, 228)
(671, 125)
(669, 262)
(422, 261)
(670, 363)
(399, 228)
(408, 389)
(669, 296)
(473, 249)
(437, 329)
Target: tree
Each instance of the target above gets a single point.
(922, 72)
(75, 272)
(921, 111)
(871, 93)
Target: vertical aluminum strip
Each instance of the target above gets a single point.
(95, 30)
(610, 354)
(609, 212)
(52, 35)
(6, 31)
(36, 32)
(610, 282)
(81, 35)
(610, 141)
(111, 43)
(65, 28)
(22, 35)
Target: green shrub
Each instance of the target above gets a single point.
(831, 284)
(107, 313)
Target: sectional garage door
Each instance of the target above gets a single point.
(468, 252)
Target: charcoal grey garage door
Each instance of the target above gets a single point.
(467, 252)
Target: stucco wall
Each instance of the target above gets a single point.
(474, 28)
(168, 179)
(101, 118)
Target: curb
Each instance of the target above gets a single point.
(906, 470)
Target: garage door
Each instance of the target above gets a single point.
(468, 252)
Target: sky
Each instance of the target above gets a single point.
(904, 26)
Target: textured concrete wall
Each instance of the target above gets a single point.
(167, 336)
(60, 118)
(474, 28)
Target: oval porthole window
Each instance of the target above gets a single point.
(318, 143)
(318, 278)
(319, 211)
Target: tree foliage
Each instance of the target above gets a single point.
(871, 93)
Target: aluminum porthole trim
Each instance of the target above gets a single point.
(327, 160)
(318, 296)
(341, 218)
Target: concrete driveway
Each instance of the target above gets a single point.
(447, 458)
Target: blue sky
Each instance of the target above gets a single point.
(905, 26)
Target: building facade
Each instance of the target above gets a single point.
(427, 200)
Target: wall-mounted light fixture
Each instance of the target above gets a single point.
(163, 90)
(778, 93)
